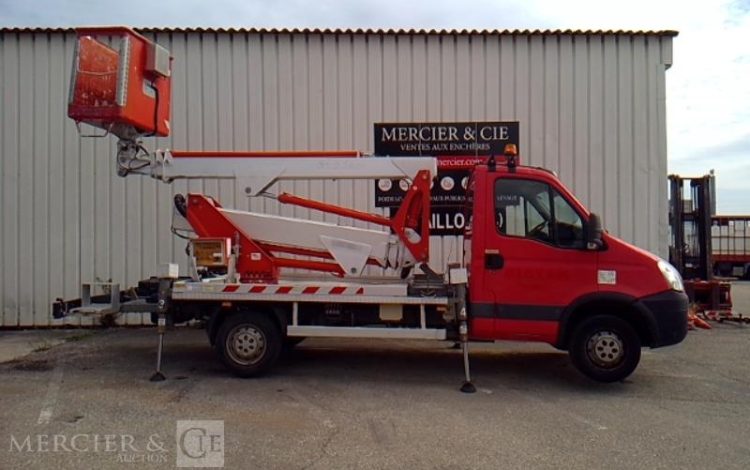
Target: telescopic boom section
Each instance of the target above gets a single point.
(256, 171)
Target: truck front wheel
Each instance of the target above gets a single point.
(248, 343)
(605, 348)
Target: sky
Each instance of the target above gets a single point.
(708, 86)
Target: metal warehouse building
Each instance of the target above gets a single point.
(591, 106)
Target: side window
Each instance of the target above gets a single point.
(568, 224)
(522, 209)
(530, 209)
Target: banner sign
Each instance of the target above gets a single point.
(444, 138)
(458, 147)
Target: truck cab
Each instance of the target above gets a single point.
(541, 269)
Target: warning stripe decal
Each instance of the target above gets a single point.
(306, 290)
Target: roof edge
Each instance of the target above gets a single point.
(415, 32)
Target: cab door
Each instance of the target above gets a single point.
(536, 261)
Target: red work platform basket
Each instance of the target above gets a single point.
(120, 82)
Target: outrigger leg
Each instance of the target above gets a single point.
(463, 331)
(162, 307)
(467, 387)
(158, 376)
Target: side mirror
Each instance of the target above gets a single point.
(594, 233)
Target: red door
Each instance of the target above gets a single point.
(535, 259)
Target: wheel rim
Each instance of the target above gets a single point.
(605, 349)
(246, 344)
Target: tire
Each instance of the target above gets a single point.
(249, 343)
(605, 348)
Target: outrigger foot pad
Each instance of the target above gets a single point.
(157, 377)
(468, 387)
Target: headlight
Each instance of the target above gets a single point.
(673, 278)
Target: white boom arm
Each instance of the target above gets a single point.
(256, 174)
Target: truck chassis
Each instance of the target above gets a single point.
(250, 323)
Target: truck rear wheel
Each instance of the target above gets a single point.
(248, 343)
(605, 348)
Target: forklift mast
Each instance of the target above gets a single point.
(690, 249)
(690, 226)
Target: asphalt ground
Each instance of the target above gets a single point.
(87, 403)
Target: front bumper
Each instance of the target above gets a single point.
(668, 312)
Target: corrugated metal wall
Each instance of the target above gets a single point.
(591, 107)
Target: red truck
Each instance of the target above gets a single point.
(537, 265)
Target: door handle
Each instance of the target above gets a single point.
(493, 259)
